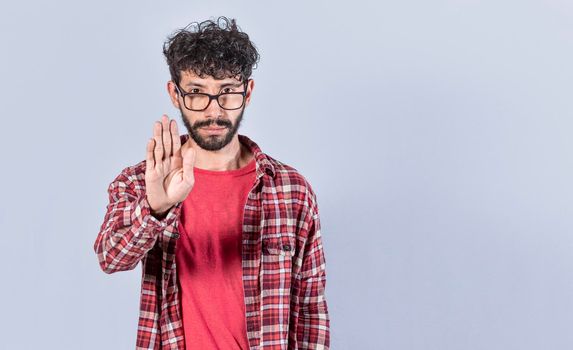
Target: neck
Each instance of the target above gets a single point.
(233, 156)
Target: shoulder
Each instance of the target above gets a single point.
(290, 179)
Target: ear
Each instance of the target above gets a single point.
(250, 87)
(173, 94)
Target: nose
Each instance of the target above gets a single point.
(213, 109)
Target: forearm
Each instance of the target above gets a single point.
(129, 229)
(313, 329)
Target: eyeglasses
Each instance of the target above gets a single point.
(198, 101)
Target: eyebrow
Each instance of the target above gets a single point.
(221, 85)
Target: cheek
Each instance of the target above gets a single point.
(187, 120)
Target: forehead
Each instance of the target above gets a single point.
(189, 78)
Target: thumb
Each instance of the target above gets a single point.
(188, 164)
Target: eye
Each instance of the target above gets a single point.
(193, 91)
(230, 90)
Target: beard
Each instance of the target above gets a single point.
(212, 142)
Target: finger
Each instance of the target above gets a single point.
(166, 135)
(150, 161)
(175, 137)
(158, 149)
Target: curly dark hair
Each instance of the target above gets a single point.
(208, 48)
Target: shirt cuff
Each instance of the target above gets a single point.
(143, 214)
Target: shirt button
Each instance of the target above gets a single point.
(286, 247)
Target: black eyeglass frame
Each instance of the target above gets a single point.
(212, 97)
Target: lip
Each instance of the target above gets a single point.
(214, 130)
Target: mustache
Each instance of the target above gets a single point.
(218, 122)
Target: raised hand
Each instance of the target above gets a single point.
(169, 167)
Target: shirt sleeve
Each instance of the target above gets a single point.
(129, 230)
(313, 330)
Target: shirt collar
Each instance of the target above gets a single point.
(263, 164)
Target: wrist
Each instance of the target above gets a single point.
(160, 213)
(157, 211)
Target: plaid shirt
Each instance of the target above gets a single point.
(283, 262)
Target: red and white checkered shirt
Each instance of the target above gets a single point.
(284, 276)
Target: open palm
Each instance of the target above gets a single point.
(169, 167)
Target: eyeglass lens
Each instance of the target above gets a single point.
(226, 101)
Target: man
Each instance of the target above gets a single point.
(228, 237)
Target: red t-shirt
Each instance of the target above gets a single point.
(208, 257)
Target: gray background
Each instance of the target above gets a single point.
(437, 135)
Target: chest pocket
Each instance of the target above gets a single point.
(283, 247)
(277, 270)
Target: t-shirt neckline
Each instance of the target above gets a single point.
(251, 166)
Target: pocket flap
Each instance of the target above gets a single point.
(277, 247)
